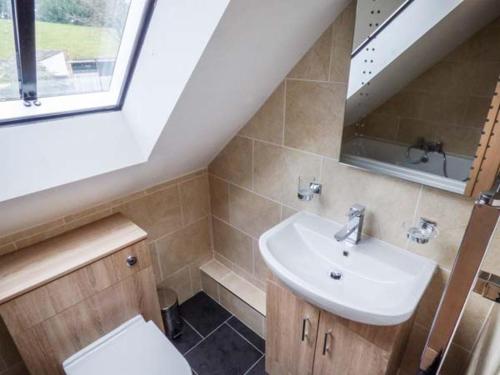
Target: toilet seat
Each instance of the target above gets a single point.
(135, 348)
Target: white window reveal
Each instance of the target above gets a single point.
(63, 57)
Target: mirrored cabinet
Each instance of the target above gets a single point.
(421, 102)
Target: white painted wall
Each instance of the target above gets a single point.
(254, 45)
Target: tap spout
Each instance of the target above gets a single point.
(351, 232)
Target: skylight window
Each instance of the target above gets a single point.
(61, 57)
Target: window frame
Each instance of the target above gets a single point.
(29, 107)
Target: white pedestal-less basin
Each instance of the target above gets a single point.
(372, 282)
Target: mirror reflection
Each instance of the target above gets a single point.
(422, 77)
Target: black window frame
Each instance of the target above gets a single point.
(23, 19)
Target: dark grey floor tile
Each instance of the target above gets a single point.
(187, 340)
(247, 333)
(259, 368)
(224, 352)
(203, 313)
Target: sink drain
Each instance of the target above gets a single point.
(336, 275)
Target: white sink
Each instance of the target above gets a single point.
(381, 284)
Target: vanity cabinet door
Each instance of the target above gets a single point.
(341, 350)
(292, 327)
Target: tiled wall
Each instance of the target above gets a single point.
(448, 102)
(176, 216)
(297, 132)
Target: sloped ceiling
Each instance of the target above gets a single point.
(254, 46)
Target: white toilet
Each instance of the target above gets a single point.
(135, 348)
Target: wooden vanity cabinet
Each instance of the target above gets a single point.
(60, 296)
(334, 345)
(292, 329)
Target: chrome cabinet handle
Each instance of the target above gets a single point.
(131, 260)
(304, 323)
(326, 348)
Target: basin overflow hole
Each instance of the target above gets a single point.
(336, 275)
(345, 253)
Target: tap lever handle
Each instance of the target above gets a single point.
(356, 210)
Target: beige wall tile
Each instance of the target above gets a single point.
(313, 121)
(195, 270)
(476, 111)
(219, 198)
(452, 213)
(485, 77)
(431, 298)
(194, 199)
(342, 35)
(162, 186)
(267, 123)
(183, 247)
(404, 104)
(261, 271)
(233, 244)
(180, 282)
(380, 126)
(409, 130)
(252, 213)
(344, 186)
(158, 213)
(234, 163)
(42, 236)
(349, 132)
(276, 173)
(315, 64)
(210, 286)
(268, 170)
(242, 311)
(287, 212)
(460, 140)
(456, 361)
(475, 313)
(444, 109)
(155, 262)
(492, 260)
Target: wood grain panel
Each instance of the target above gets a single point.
(484, 169)
(40, 304)
(81, 284)
(334, 345)
(34, 266)
(381, 336)
(286, 353)
(27, 310)
(347, 353)
(139, 250)
(46, 345)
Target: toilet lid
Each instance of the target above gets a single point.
(135, 348)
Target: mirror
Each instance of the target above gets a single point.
(422, 79)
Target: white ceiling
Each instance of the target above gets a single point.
(253, 47)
